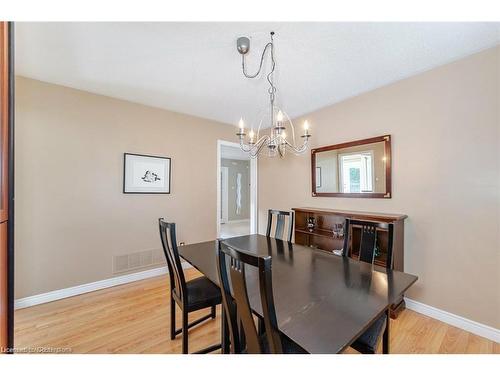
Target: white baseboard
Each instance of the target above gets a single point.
(90, 287)
(468, 325)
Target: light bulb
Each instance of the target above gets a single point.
(306, 126)
(283, 135)
(241, 124)
(251, 134)
(279, 117)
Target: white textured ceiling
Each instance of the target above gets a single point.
(194, 68)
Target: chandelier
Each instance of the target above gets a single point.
(282, 132)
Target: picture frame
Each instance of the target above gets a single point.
(146, 174)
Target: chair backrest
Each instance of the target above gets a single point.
(237, 306)
(368, 240)
(280, 218)
(176, 274)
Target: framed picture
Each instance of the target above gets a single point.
(318, 177)
(146, 174)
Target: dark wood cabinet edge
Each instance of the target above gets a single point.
(397, 308)
(7, 182)
(10, 223)
(379, 216)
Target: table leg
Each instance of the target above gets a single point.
(386, 337)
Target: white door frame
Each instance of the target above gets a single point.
(253, 187)
(224, 212)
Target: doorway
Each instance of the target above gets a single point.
(236, 191)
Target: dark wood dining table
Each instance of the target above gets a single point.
(324, 302)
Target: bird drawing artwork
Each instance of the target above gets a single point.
(150, 177)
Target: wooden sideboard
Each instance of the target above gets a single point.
(322, 237)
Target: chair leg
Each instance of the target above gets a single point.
(243, 338)
(213, 312)
(260, 326)
(224, 333)
(209, 349)
(184, 331)
(386, 337)
(172, 319)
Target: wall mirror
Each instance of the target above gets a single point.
(359, 169)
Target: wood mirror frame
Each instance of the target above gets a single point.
(387, 148)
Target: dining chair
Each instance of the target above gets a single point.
(192, 295)
(278, 218)
(241, 324)
(368, 342)
(368, 243)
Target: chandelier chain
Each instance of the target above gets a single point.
(272, 89)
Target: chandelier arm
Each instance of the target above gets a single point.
(297, 150)
(251, 147)
(261, 141)
(258, 146)
(244, 147)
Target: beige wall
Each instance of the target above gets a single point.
(446, 176)
(71, 215)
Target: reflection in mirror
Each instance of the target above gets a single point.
(358, 169)
(353, 168)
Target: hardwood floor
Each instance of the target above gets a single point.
(231, 229)
(134, 318)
